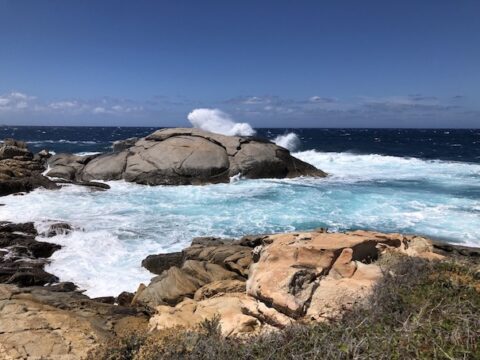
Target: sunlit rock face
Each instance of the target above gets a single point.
(275, 280)
(183, 156)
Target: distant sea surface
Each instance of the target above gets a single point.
(441, 144)
(425, 182)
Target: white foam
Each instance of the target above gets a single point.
(123, 225)
(217, 121)
(355, 167)
(88, 153)
(289, 141)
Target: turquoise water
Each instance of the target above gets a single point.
(121, 226)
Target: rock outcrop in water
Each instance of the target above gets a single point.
(22, 257)
(20, 170)
(183, 156)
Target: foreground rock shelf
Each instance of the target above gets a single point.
(260, 283)
(183, 156)
(253, 285)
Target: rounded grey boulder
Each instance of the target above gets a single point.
(183, 156)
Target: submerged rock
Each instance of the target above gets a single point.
(183, 156)
(59, 228)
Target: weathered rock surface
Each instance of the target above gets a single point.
(312, 276)
(177, 283)
(43, 319)
(220, 287)
(184, 156)
(121, 145)
(252, 285)
(159, 263)
(229, 255)
(37, 323)
(239, 314)
(301, 272)
(19, 170)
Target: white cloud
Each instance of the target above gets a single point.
(63, 105)
(321, 99)
(99, 110)
(15, 101)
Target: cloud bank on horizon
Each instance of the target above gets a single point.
(19, 108)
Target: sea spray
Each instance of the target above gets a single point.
(217, 121)
(289, 141)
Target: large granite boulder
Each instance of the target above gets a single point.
(317, 274)
(183, 156)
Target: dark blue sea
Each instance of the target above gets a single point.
(442, 144)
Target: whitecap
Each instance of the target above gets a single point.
(123, 225)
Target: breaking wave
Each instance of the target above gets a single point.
(289, 141)
(217, 121)
(123, 225)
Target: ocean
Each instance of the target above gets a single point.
(425, 182)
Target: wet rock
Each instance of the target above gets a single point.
(31, 277)
(26, 228)
(252, 241)
(105, 299)
(125, 298)
(63, 287)
(158, 263)
(454, 249)
(25, 257)
(19, 171)
(210, 241)
(59, 228)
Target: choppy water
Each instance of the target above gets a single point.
(439, 198)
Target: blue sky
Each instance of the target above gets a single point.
(271, 63)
